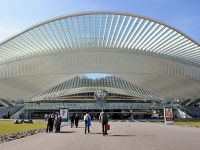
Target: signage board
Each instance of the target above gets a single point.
(64, 114)
(168, 115)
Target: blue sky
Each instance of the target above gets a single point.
(95, 75)
(16, 15)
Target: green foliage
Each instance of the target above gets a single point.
(188, 123)
(8, 127)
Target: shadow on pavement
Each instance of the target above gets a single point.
(67, 132)
(121, 135)
(95, 133)
(117, 135)
(80, 127)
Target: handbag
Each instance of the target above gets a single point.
(107, 127)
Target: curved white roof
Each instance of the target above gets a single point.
(138, 49)
(101, 30)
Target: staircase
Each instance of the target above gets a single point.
(12, 110)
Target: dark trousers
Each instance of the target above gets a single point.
(87, 127)
(72, 124)
(59, 128)
(49, 128)
(104, 130)
(76, 123)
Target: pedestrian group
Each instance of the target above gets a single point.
(54, 122)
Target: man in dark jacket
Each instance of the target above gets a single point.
(103, 118)
(57, 123)
(72, 120)
(76, 120)
(49, 124)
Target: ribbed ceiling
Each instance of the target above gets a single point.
(100, 30)
(111, 84)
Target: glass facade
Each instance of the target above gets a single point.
(85, 85)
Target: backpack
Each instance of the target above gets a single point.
(89, 123)
(104, 117)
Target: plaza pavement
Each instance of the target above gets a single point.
(122, 136)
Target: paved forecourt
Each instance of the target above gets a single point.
(123, 136)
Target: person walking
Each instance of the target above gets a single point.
(8, 115)
(57, 123)
(72, 120)
(52, 123)
(76, 120)
(87, 119)
(103, 118)
(49, 124)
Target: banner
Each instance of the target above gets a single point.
(64, 114)
(168, 114)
